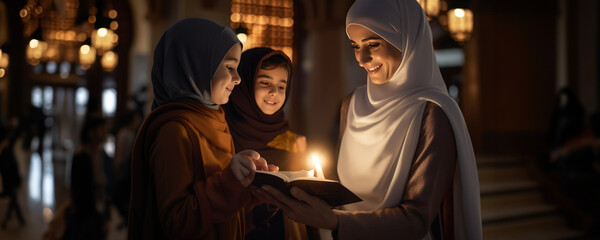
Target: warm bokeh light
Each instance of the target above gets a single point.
(268, 23)
(242, 37)
(104, 40)
(460, 24)
(109, 61)
(23, 13)
(4, 58)
(33, 43)
(459, 12)
(430, 7)
(35, 51)
(114, 25)
(112, 13)
(102, 32)
(87, 56)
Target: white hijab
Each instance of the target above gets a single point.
(384, 121)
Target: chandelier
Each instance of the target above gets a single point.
(458, 20)
(70, 32)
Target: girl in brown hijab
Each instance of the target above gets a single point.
(187, 180)
(256, 119)
(255, 112)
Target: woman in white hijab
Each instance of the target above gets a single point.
(405, 148)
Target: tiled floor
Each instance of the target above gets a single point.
(42, 191)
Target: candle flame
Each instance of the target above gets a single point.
(317, 163)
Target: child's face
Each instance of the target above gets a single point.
(269, 89)
(226, 76)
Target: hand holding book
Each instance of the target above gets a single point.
(332, 192)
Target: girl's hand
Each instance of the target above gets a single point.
(245, 163)
(243, 166)
(305, 208)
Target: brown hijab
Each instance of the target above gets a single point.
(249, 126)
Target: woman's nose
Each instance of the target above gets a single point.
(363, 57)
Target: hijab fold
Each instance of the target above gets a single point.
(380, 139)
(178, 73)
(249, 126)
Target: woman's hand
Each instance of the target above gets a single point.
(309, 209)
(245, 163)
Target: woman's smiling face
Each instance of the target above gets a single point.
(377, 56)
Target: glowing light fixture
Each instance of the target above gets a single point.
(109, 61)
(87, 56)
(431, 8)
(103, 40)
(3, 59)
(460, 24)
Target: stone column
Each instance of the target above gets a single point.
(324, 78)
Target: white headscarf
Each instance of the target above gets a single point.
(384, 120)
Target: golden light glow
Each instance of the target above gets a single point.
(51, 52)
(70, 35)
(102, 32)
(317, 163)
(2, 72)
(269, 23)
(85, 49)
(459, 12)
(34, 43)
(112, 13)
(23, 13)
(430, 7)
(460, 24)
(38, 10)
(81, 36)
(109, 61)
(242, 37)
(236, 17)
(87, 56)
(104, 40)
(114, 25)
(35, 51)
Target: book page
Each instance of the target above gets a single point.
(288, 176)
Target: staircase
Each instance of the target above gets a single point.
(513, 205)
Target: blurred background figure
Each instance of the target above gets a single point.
(574, 155)
(9, 170)
(126, 131)
(86, 217)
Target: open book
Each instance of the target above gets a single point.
(332, 192)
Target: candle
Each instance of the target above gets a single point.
(317, 162)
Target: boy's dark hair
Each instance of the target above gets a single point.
(275, 61)
(89, 125)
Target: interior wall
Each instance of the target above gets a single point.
(587, 44)
(514, 79)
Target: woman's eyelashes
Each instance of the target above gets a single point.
(370, 45)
